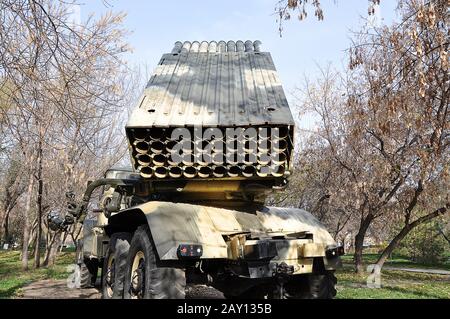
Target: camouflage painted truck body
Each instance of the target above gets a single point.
(206, 219)
(292, 236)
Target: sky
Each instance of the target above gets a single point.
(304, 45)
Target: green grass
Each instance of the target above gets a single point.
(396, 261)
(394, 284)
(12, 278)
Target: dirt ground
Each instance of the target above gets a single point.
(57, 289)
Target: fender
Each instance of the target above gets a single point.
(172, 224)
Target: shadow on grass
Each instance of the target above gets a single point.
(12, 291)
(410, 264)
(413, 276)
(418, 294)
(7, 269)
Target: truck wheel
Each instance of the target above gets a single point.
(321, 286)
(88, 274)
(114, 266)
(88, 267)
(145, 278)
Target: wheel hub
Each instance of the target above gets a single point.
(138, 276)
(110, 276)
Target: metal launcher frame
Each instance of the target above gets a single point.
(228, 99)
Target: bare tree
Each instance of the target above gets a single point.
(401, 95)
(66, 86)
(285, 9)
(384, 127)
(12, 188)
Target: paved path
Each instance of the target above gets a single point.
(57, 289)
(421, 270)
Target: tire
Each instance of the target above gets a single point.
(85, 276)
(321, 286)
(114, 266)
(88, 273)
(145, 277)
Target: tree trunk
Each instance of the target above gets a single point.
(390, 248)
(359, 242)
(5, 227)
(32, 243)
(75, 233)
(32, 238)
(48, 246)
(51, 248)
(4, 217)
(26, 220)
(63, 241)
(37, 252)
(9, 203)
(51, 258)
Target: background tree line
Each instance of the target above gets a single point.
(64, 88)
(379, 160)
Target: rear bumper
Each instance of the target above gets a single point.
(269, 257)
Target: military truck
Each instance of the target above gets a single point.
(211, 137)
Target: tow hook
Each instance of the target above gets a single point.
(283, 269)
(281, 275)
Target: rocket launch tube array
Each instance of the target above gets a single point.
(157, 154)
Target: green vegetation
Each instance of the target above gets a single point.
(394, 284)
(12, 278)
(398, 261)
(426, 244)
